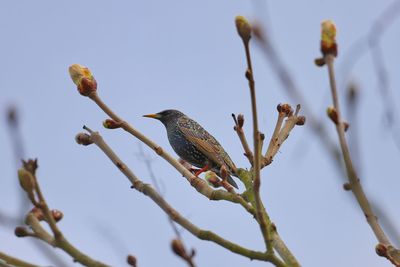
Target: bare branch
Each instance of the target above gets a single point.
(244, 30)
(43, 212)
(9, 261)
(329, 51)
(149, 191)
(183, 252)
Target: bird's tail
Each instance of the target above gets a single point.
(232, 182)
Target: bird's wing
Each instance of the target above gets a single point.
(205, 142)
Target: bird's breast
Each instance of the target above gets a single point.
(185, 149)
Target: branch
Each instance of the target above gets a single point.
(280, 133)
(244, 30)
(12, 261)
(177, 245)
(41, 212)
(242, 137)
(87, 86)
(329, 51)
(149, 191)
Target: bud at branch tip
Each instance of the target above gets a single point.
(83, 79)
(243, 28)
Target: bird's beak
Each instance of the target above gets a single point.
(154, 116)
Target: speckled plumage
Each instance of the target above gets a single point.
(194, 144)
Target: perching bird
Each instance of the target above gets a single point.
(194, 144)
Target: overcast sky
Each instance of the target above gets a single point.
(151, 55)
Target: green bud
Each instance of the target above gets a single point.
(243, 28)
(83, 79)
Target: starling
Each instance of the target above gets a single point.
(194, 144)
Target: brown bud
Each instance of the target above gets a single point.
(319, 62)
(178, 248)
(240, 120)
(301, 120)
(83, 79)
(131, 260)
(243, 28)
(285, 108)
(38, 213)
(346, 126)
(328, 38)
(83, 139)
(262, 136)
(26, 180)
(57, 215)
(248, 75)
(21, 231)
(347, 186)
(111, 124)
(381, 250)
(332, 114)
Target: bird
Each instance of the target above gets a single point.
(194, 144)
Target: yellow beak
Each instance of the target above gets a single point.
(153, 116)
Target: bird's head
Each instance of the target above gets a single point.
(166, 116)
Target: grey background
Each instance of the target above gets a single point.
(151, 55)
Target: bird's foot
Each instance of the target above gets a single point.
(199, 171)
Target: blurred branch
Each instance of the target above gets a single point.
(178, 246)
(370, 42)
(329, 51)
(288, 84)
(9, 261)
(14, 128)
(15, 133)
(41, 212)
(147, 190)
(13, 124)
(8, 220)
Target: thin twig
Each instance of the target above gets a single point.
(274, 137)
(185, 255)
(13, 124)
(370, 42)
(58, 239)
(279, 137)
(262, 218)
(17, 141)
(354, 181)
(12, 261)
(149, 191)
(242, 137)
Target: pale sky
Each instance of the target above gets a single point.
(151, 55)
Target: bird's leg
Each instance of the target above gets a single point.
(194, 170)
(205, 168)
